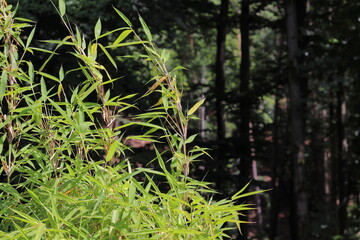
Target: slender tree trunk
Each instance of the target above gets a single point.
(245, 104)
(254, 175)
(202, 109)
(341, 145)
(219, 69)
(274, 174)
(278, 146)
(299, 195)
(334, 157)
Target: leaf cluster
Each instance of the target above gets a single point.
(65, 157)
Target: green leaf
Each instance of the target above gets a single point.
(107, 55)
(123, 17)
(113, 31)
(30, 37)
(110, 154)
(3, 84)
(127, 44)
(145, 124)
(62, 7)
(40, 231)
(196, 106)
(248, 194)
(145, 28)
(239, 192)
(31, 72)
(43, 88)
(60, 42)
(97, 29)
(61, 74)
(2, 140)
(49, 76)
(42, 50)
(122, 36)
(191, 138)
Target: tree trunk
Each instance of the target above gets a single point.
(202, 109)
(245, 104)
(219, 69)
(254, 175)
(341, 145)
(299, 199)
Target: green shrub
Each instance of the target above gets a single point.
(59, 150)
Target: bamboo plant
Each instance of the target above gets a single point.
(58, 150)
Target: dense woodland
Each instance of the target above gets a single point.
(282, 109)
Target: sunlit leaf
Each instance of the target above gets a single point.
(108, 55)
(195, 107)
(122, 36)
(112, 150)
(191, 138)
(97, 29)
(30, 37)
(123, 17)
(62, 7)
(3, 84)
(145, 28)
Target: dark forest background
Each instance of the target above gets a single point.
(281, 81)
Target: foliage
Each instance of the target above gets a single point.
(64, 153)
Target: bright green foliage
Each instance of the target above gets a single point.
(59, 157)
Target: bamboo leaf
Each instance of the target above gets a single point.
(112, 31)
(43, 88)
(191, 138)
(42, 50)
(60, 42)
(62, 7)
(155, 85)
(122, 36)
(249, 194)
(145, 28)
(3, 84)
(61, 74)
(195, 107)
(40, 231)
(49, 76)
(145, 124)
(108, 55)
(30, 37)
(239, 192)
(126, 44)
(123, 17)
(110, 154)
(97, 29)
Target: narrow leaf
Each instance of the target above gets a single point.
(49, 76)
(62, 7)
(61, 74)
(127, 44)
(40, 231)
(43, 88)
(30, 37)
(108, 55)
(110, 154)
(191, 138)
(122, 36)
(97, 29)
(146, 28)
(196, 106)
(123, 17)
(3, 84)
